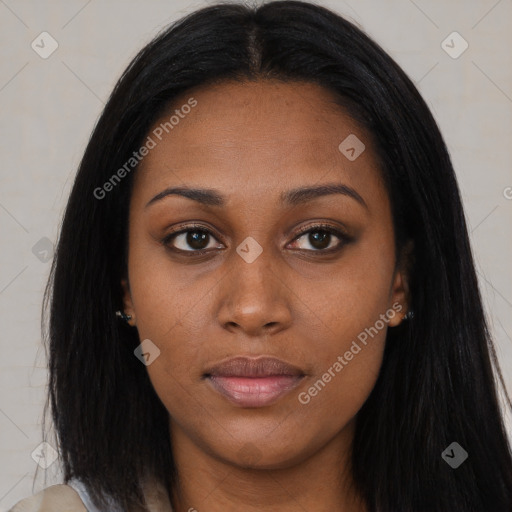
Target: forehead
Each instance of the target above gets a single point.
(257, 139)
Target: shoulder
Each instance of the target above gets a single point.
(57, 498)
(74, 497)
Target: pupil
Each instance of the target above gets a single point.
(318, 238)
(196, 238)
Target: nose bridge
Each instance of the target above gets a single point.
(254, 296)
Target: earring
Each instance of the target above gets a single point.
(123, 315)
(409, 315)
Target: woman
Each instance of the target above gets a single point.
(263, 294)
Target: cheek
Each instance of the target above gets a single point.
(353, 295)
(164, 295)
(351, 320)
(170, 312)
(347, 360)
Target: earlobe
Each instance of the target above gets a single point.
(399, 300)
(128, 313)
(401, 290)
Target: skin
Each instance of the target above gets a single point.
(251, 142)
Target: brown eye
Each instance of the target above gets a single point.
(197, 239)
(189, 240)
(321, 239)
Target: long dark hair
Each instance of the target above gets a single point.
(436, 385)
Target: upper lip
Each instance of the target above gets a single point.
(243, 366)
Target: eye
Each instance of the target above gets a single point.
(194, 237)
(197, 239)
(320, 237)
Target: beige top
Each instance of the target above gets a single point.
(57, 498)
(64, 498)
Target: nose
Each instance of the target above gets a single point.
(254, 297)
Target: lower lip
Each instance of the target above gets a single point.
(255, 391)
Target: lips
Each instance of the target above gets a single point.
(253, 382)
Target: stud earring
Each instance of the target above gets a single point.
(409, 315)
(123, 315)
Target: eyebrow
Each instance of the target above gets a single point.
(293, 197)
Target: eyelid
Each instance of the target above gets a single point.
(338, 232)
(184, 228)
(323, 226)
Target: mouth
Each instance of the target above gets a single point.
(249, 382)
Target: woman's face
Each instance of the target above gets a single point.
(269, 281)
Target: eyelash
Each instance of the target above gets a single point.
(344, 238)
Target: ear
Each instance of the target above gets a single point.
(400, 292)
(127, 301)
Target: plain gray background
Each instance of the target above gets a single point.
(49, 107)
